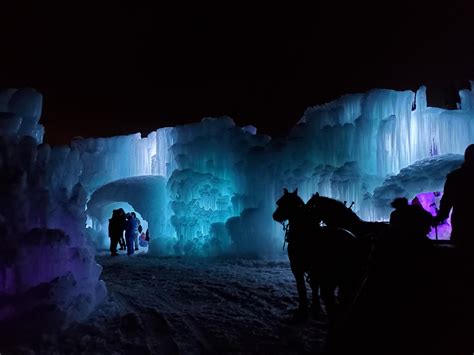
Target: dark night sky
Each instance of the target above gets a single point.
(115, 70)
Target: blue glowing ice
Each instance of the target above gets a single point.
(210, 187)
(345, 149)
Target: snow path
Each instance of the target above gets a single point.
(193, 305)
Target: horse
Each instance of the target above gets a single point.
(327, 255)
(335, 214)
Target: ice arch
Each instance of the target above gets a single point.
(425, 175)
(147, 195)
(97, 229)
(423, 179)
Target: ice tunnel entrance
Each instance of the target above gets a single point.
(97, 230)
(146, 195)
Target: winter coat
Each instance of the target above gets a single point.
(459, 195)
(116, 227)
(131, 228)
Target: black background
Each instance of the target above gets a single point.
(115, 69)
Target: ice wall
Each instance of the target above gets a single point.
(20, 111)
(106, 160)
(47, 266)
(380, 132)
(218, 173)
(217, 177)
(467, 99)
(109, 159)
(207, 188)
(211, 182)
(204, 165)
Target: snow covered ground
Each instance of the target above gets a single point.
(184, 305)
(165, 305)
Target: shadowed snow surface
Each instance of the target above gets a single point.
(184, 305)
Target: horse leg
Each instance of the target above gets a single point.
(297, 268)
(301, 288)
(315, 300)
(329, 298)
(348, 288)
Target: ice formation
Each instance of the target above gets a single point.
(144, 194)
(47, 266)
(219, 174)
(206, 188)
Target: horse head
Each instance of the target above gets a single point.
(313, 200)
(287, 206)
(315, 208)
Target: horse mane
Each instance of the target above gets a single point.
(337, 208)
(332, 201)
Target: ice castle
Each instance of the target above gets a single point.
(207, 188)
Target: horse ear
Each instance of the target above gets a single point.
(296, 191)
(285, 191)
(316, 194)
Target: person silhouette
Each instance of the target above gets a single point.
(458, 195)
(123, 220)
(116, 228)
(131, 232)
(411, 221)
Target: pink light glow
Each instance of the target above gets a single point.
(430, 202)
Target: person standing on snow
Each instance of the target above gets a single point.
(131, 232)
